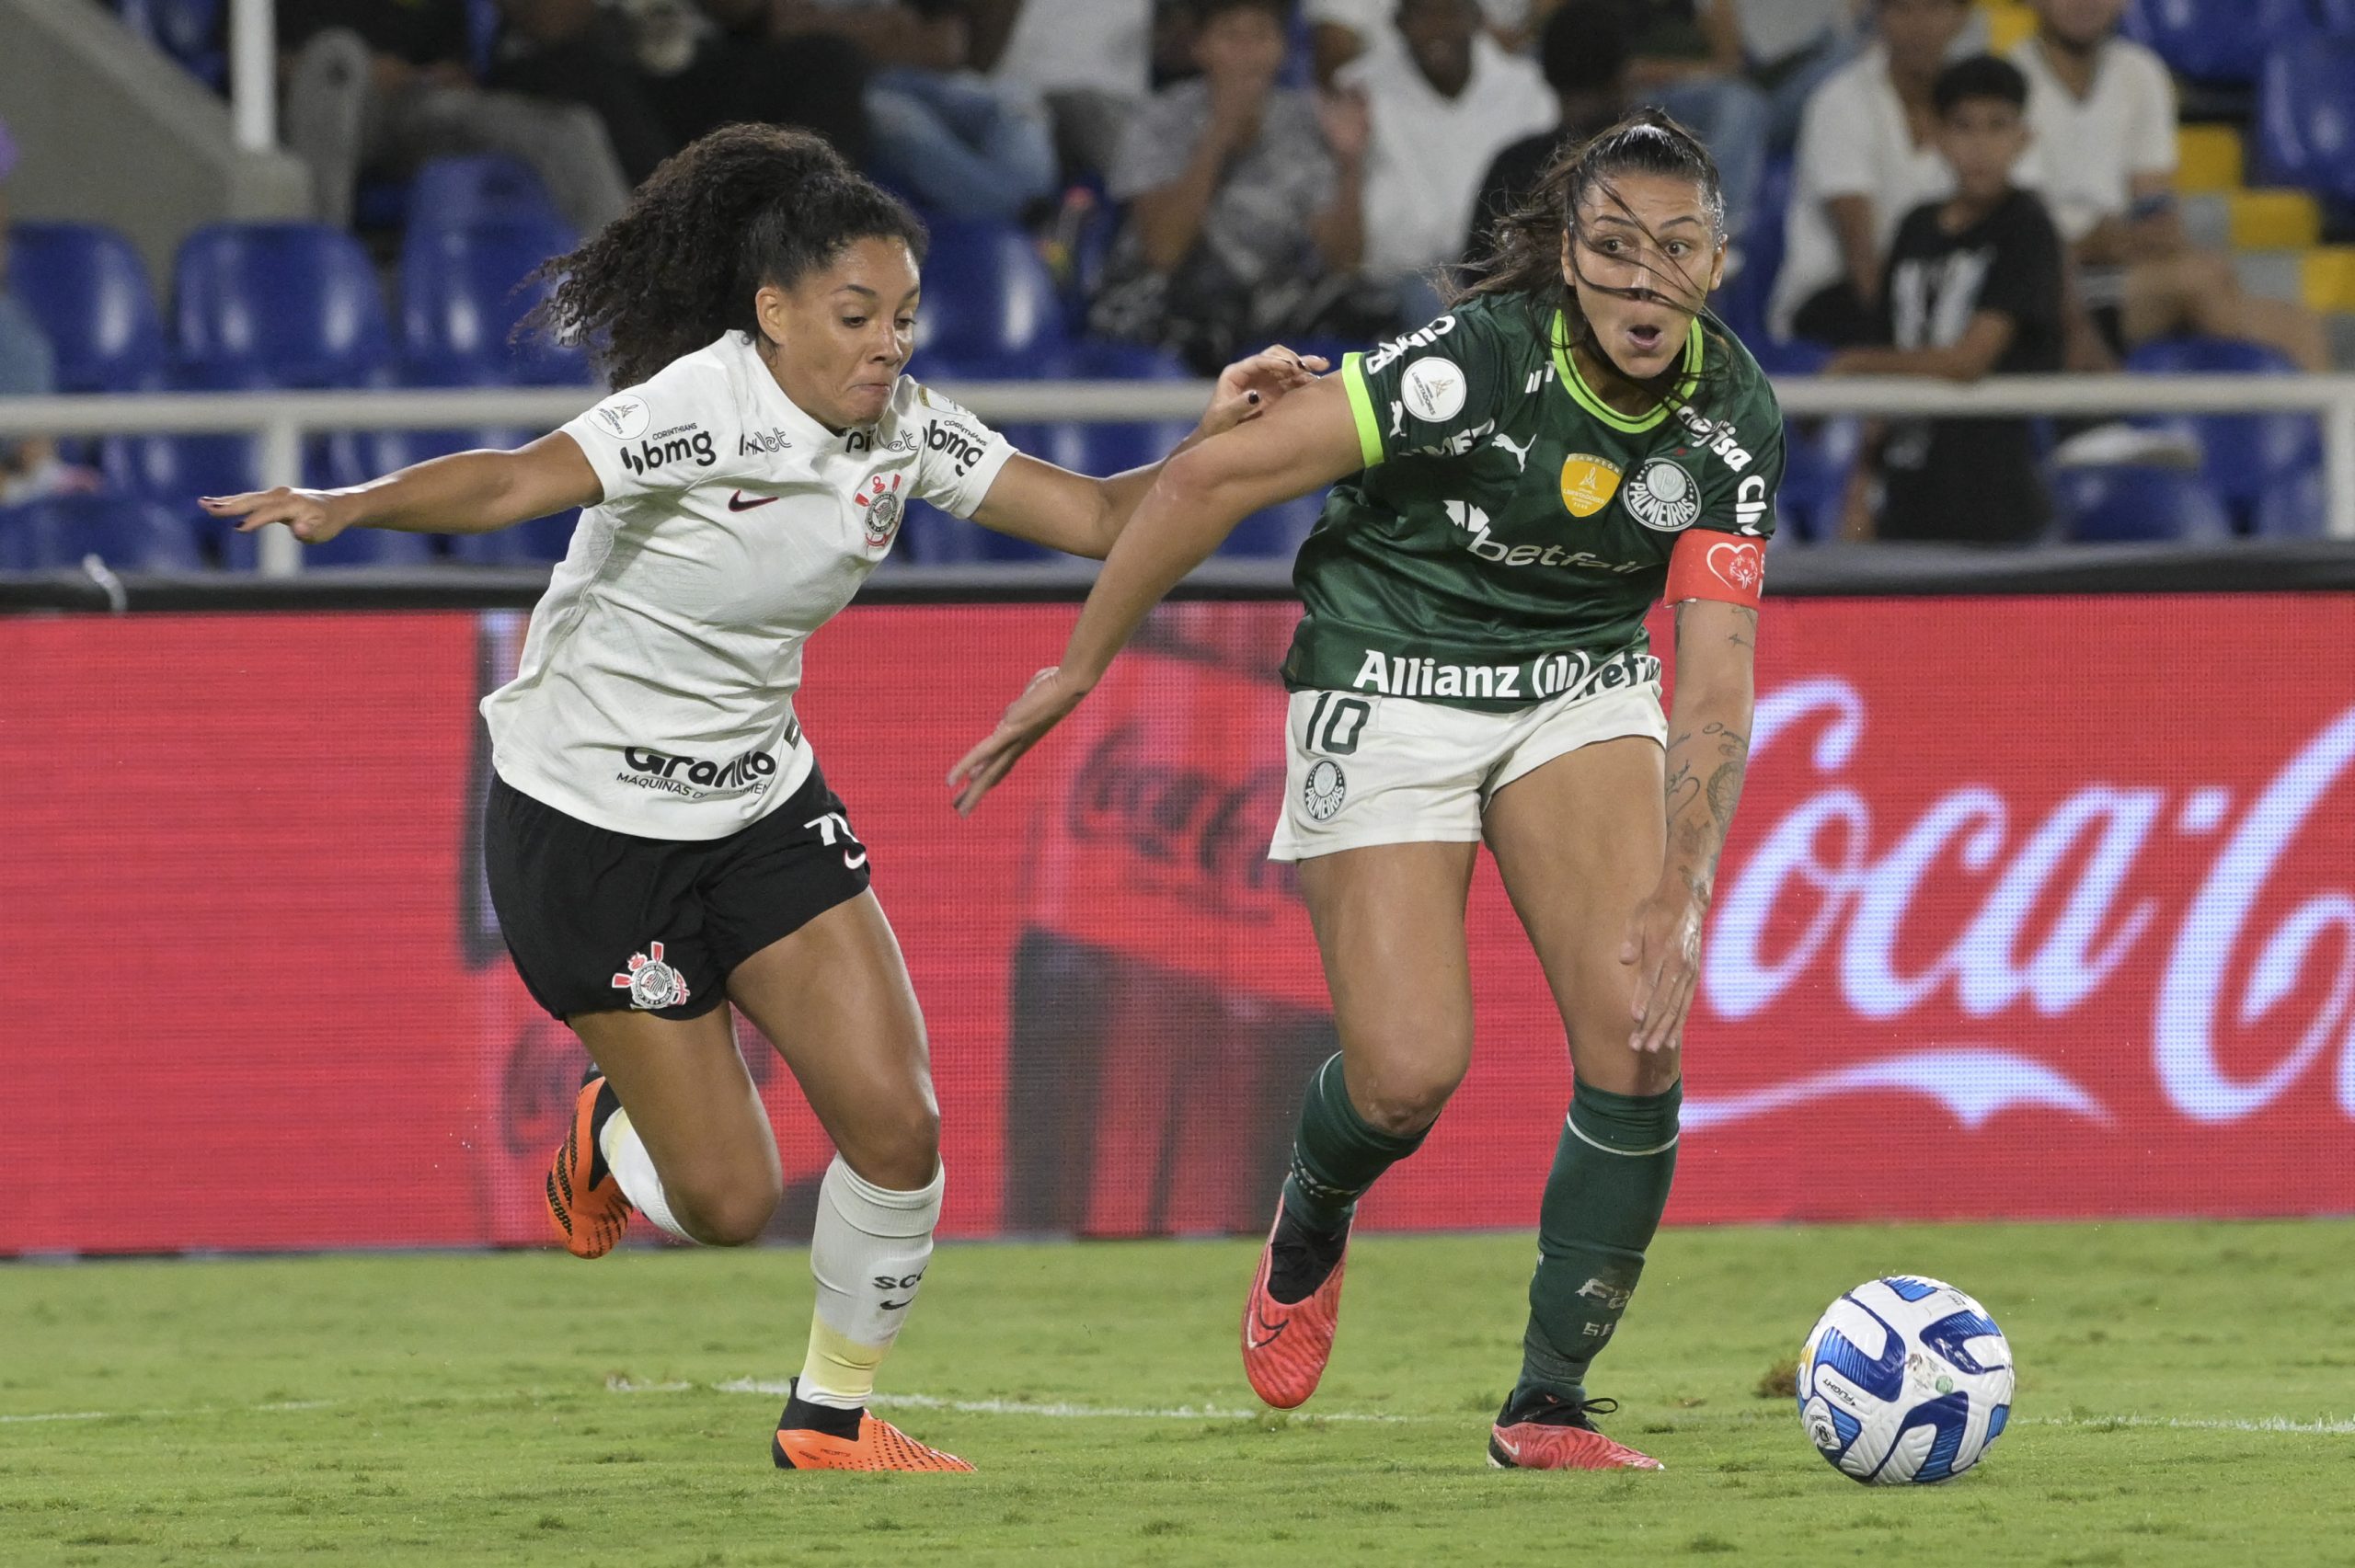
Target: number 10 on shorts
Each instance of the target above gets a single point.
(1336, 722)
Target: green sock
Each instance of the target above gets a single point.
(1603, 1203)
(1335, 1155)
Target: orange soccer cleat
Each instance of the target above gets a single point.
(585, 1203)
(878, 1445)
(1286, 1343)
(1544, 1432)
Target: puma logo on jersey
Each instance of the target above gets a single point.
(1520, 449)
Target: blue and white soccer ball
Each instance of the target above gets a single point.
(1905, 1380)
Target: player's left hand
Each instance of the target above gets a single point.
(1042, 707)
(1248, 388)
(1663, 945)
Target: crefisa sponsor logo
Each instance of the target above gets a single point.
(2253, 952)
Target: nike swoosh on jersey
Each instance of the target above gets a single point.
(737, 502)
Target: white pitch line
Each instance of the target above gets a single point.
(2192, 1424)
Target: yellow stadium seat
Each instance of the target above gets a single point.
(2209, 160)
(2328, 273)
(2274, 219)
(2008, 25)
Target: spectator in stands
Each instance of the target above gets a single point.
(1341, 31)
(1582, 50)
(371, 83)
(1444, 100)
(580, 52)
(1792, 45)
(714, 63)
(961, 143)
(1973, 287)
(29, 466)
(2106, 107)
(1866, 158)
(1090, 59)
(1220, 173)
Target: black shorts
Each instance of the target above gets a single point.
(598, 921)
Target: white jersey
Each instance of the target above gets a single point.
(655, 692)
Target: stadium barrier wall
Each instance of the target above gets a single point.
(2036, 906)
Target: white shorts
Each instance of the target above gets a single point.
(1374, 770)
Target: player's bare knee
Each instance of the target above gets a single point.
(1402, 1101)
(728, 1213)
(898, 1152)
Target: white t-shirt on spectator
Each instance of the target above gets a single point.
(1064, 45)
(1429, 153)
(1372, 18)
(1855, 140)
(2099, 143)
(655, 692)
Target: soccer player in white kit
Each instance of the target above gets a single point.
(659, 838)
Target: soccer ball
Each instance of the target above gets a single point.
(1904, 1380)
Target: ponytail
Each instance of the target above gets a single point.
(745, 206)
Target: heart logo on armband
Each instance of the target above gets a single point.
(1738, 566)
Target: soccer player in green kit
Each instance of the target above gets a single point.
(1518, 482)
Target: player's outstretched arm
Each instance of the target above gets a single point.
(1708, 748)
(1082, 516)
(467, 492)
(1307, 440)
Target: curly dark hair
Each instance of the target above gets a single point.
(1526, 255)
(745, 206)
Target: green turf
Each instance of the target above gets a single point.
(447, 1409)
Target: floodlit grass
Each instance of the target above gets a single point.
(468, 1409)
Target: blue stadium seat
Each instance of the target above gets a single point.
(988, 298)
(129, 534)
(2219, 41)
(190, 31)
(278, 305)
(370, 547)
(2335, 17)
(2305, 117)
(1818, 457)
(2130, 504)
(482, 34)
(2242, 456)
(88, 290)
(2293, 507)
(463, 292)
(1741, 303)
(460, 192)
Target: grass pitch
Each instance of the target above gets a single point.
(2187, 1394)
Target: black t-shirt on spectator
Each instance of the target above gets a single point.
(1970, 480)
(424, 32)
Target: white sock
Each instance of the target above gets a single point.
(633, 1167)
(869, 1253)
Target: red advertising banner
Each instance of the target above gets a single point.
(2035, 907)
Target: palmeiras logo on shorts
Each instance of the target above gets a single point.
(1327, 787)
(1663, 497)
(880, 502)
(651, 982)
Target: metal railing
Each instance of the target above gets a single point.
(282, 419)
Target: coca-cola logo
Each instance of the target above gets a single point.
(1180, 826)
(1824, 897)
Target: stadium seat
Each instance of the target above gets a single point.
(463, 292)
(2242, 456)
(2130, 504)
(2305, 117)
(278, 305)
(129, 534)
(2293, 507)
(1741, 303)
(190, 31)
(88, 290)
(368, 547)
(460, 192)
(988, 298)
(1818, 457)
(2221, 43)
(482, 34)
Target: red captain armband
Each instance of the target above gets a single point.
(1708, 565)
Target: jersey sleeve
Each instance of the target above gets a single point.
(662, 436)
(958, 458)
(1723, 554)
(1437, 390)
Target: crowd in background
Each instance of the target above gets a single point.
(1316, 169)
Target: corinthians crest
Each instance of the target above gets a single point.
(882, 503)
(651, 982)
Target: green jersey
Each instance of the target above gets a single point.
(1510, 530)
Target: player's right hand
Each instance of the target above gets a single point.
(310, 513)
(1042, 707)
